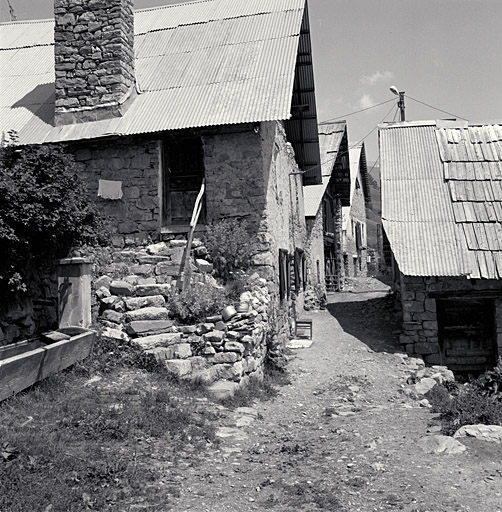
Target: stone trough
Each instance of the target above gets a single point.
(27, 362)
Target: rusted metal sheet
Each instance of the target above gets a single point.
(437, 176)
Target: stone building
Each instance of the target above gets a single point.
(323, 208)
(354, 244)
(442, 214)
(156, 102)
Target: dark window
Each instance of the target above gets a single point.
(183, 176)
(298, 265)
(359, 237)
(284, 274)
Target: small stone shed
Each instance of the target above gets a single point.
(442, 214)
(354, 224)
(323, 208)
(155, 102)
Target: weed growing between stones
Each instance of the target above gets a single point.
(476, 402)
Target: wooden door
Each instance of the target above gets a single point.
(467, 333)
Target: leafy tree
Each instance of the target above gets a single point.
(44, 211)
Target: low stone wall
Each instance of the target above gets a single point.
(131, 296)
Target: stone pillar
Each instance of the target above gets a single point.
(74, 292)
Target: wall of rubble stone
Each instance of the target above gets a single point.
(131, 303)
(420, 325)
(357, 214)
(315, 249)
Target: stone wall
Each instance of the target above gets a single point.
(131, 303)
(357, 214)
(315, 250)
(420, 323)
(135, 162)
(94, 59)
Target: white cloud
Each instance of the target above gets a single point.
(366, 101)
(379, 76)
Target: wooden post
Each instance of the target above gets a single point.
(74, 292)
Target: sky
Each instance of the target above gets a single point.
(445, 53)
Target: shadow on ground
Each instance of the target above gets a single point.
(371, 317)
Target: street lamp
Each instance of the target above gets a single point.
(400, 102)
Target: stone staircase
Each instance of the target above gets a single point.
(224, 354)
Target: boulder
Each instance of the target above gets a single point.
(223, 389)
(178, 367)
(204, 265)
(226, 357)
(234, 346)
(114, 334)
(144, 290)
(492, 433)
(441, 445)
(214, 336)
(121, 288)
(424, 385)
(182, 351)
(112, 316)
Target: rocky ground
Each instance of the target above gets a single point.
(342, 436)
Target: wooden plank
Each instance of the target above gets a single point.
(490, 211)
(458, 212)
(491, 236)
(479, 172)
(497, 257)
(453, 152)
(443, 145)
(480, 211)
(488, 190)
(473, 264)
(472, 135)
(479, 190)
(460, 190)
(483, 268)
(20, 372)
(470, 215)
(470, 237)
(446, 171)
(496, 171)
(452, 187)
(471, 155)
(491, 265)
(498, 210)
(64, 353)
(498, 233)
(469, 191)
(479, 154)
(480, 232)
(463, 156)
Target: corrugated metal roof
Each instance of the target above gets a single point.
(199, 64)
(442, 198)
(330, 137)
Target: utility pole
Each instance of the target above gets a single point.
(400, 102)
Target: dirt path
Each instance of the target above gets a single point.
(341, 436)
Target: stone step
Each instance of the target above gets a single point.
(149, 313)
(133, 303)
(140, 328)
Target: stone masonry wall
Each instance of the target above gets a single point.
(315, 249)
(134, 162)
(357, 214)
(131, 303)
(94, 58)
(420, 326)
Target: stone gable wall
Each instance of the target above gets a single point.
(315, 249)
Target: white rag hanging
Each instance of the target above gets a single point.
(110, 189)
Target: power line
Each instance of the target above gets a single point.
(435, 108)
(356, 112)
(11, 12)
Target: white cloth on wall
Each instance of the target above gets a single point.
(110, 189)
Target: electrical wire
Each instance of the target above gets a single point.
(350, 147)
(13, 16)
(435, 108)
(395, 114)
(356, 112)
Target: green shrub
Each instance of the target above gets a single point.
(196, 302)
(490, 383)
(227, 241)
(44, 211)
(465, 406)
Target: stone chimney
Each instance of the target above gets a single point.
(94, 59)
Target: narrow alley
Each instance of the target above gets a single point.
(342, 435)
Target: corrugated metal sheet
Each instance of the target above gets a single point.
(205, 63)
(442, 198)
(330, 137)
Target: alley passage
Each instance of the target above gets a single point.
(341, 436)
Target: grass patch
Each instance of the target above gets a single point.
(264, 389)
(67, 446)
(306, 495)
